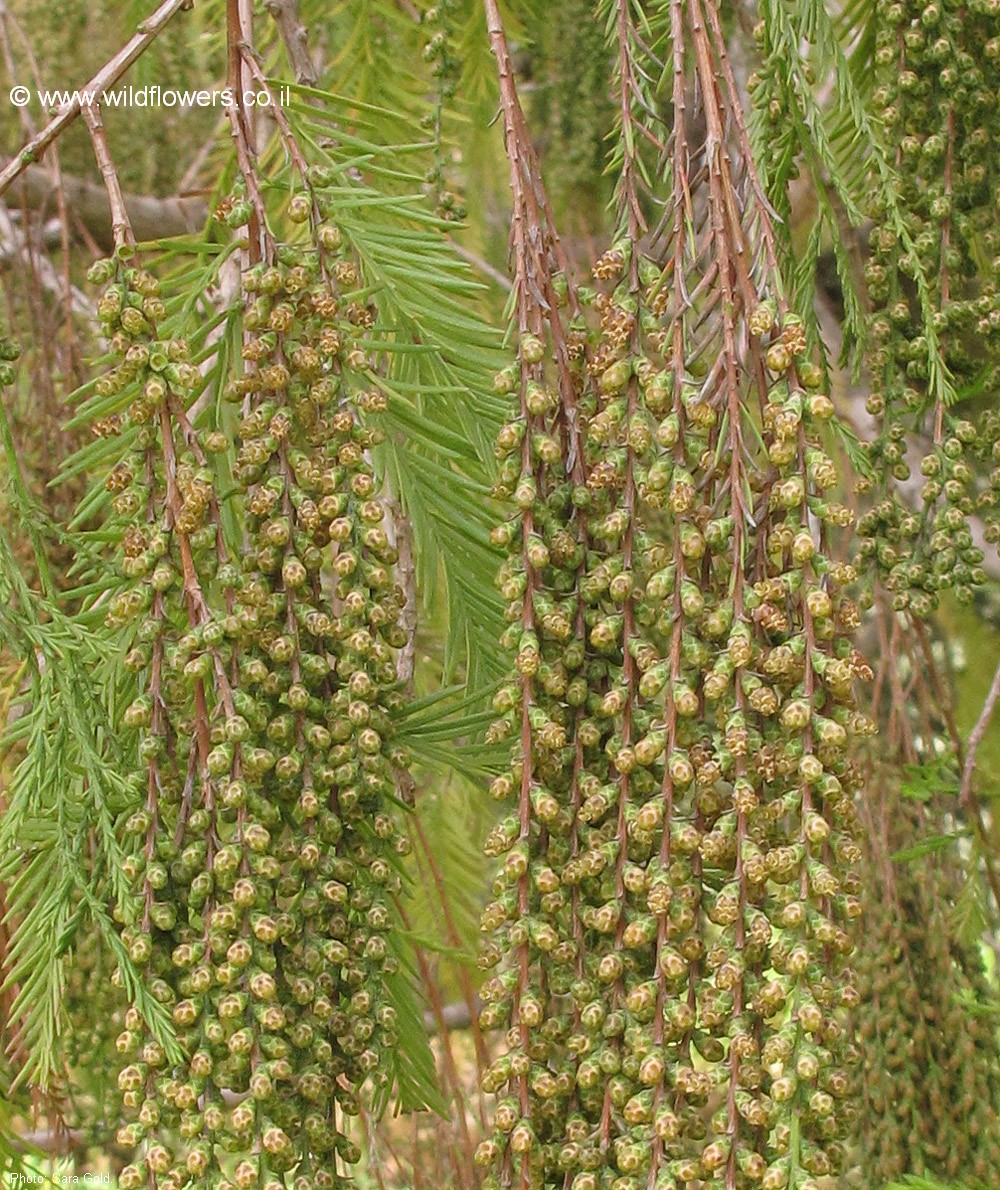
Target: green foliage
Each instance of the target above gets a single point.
(910, 1182)
(61, 859)
(572, 109)
(442, 356)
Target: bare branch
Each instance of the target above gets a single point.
(482, 265)
(121, 226)
(285, 14)
(151, 217)
(966, 795)
(106, 77)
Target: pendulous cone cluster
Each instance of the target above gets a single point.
(934, 280)
(671, 932)
(266, 848)
(928, 1080)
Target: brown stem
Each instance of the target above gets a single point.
(285, 14)
(680, 205)
(627, 94)
(949, 155)
(539, 254)
(966, 796)
(455, 939)
(121, 226)
(278, 112)
(239, 42)
(764, 209)
(529, 318)
(725, 230)
(430, 985)
(630, 215)
(106, 77)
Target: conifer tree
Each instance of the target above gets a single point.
(635, 633)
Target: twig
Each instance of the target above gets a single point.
(403, 534)
(482, 265)
(940, 693)
(278, 114)
(451, 1073)
(472, 1004)
(121, 225)
(109, 74)
(239, 49)
(285, 14)
(966, 797)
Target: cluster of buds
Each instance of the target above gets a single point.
(446, 67)
(535, 920)
(266, 849)
(934, 280)
(673, 921)
(10, 353)
(929, 1079)
(678, 881)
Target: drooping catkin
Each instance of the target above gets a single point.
(266, 849)
(706, 1035)
(928, 1079)
(932, 276)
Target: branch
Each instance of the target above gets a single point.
(966, 797)
(240, 57)
(285, 14)
(850, 399)
(484, 266)
(14, 245)
(979, 731)
(121, 225)
(152, 218)
(106, 77)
